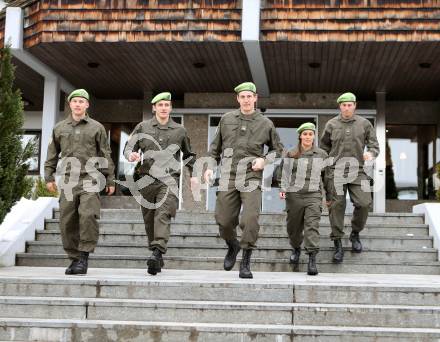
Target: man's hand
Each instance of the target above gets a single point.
(368, 156)
(110, 190)
(51, 186)
(258, 164)
(208, 176)
(282, 195)
(134, 156)
(328, 203)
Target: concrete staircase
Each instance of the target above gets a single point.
(393, 243)
(391, 292)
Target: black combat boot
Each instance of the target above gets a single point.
(231, 256)
(82, 265)
(245, 265)
(338, 257)
(356, 245)
(154, 262)
(311, 267)
(294, 259)
(69, 270)
(162, 264)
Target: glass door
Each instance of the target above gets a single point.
(410, 161)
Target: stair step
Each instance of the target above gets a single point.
(146, 310)
(196, 285)
(116, 214)
(111, 226)
(195, 239)
(212, 250)
(401, 316)
(216, 263)
(88, 330)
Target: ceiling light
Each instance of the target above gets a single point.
(199, 65)
(93, 65)
(425, 65)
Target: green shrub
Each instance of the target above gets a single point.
(28, 185)
(13, 156)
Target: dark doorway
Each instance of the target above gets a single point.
(410, 161)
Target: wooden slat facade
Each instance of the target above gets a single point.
(132, 21)
(350, 20)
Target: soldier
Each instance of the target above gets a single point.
(347, 135)
(240, 140)
(161, 140)
(77, 139)
(303, 172)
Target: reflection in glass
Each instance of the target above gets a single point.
(33, 137)
(411, 161)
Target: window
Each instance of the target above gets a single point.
(34, 137)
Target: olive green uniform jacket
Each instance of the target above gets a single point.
(161, 146)
(79, 213)
(349, 138)
(303, 180)
(242, 137)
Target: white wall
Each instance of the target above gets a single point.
(32, 120)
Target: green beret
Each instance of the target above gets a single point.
(306, 126)
(346, 97)
(78, 93)
(161, 97)
(249, 86)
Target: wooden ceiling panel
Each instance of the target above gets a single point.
(363, 68)
(30, 83)
(125, 70)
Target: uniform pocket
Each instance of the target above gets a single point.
(255, 149)
(256, 141)
(229, 135)
(173, 203)
(89, 142)
(336, 134)
(65, 138)
(175, 137)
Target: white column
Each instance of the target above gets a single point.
(14, 28)
(379, 171)
(250, 35)
(14, 36)
(51, 105)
